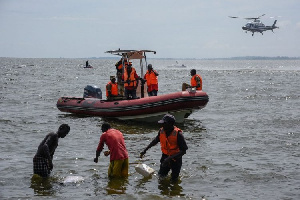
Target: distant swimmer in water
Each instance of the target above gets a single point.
(42, 161)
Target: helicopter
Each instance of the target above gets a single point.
(256, 25)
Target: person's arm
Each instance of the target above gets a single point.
(100, 147)
(155, 72)
(152, 143)
(108, 88)
(198, 81)
(136, 76)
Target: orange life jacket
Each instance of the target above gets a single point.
(131, 77)
(151, 78)
(120, 66)
(194, 82)
(169, 144)
(114, 88)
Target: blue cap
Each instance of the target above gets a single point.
(167, 119)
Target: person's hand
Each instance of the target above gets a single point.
(96, 160)
(128, 81)
(50, 166)
(166, 162)
(142, 154)
(106, 153)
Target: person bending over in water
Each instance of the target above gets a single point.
(42, 161)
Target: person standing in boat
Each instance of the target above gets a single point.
(119, 67)
(119, 162)
(112, 89)
(87, 63)
(42, 161)
(130, 79)
(173, 147)
(152, 82)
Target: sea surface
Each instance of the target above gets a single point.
(243, 145)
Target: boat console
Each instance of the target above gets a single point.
(92, 91)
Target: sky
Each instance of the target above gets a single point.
(174, 28)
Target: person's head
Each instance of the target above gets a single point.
(150, 67)
(113, 79)
(193, 72)
(63, 130)
(168, 122)
(105, 126)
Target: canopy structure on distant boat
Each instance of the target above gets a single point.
(131, 54)
(134, 55)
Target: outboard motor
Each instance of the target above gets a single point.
(91, 91)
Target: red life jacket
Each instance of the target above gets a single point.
(151, 78)
(131, 77)
(194, 82)
(114, 88)
(169, 145)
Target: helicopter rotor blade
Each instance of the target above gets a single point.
(254, 18)
(233, 17)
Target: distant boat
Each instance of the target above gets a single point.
(89, 66)
(177, 65)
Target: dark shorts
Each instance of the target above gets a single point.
(174, 165)
(41, 166)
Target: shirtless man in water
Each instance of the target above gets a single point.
(42, 161)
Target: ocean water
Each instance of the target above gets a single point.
(243, 145)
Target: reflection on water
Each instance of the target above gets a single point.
(170, 187)
(117, 185)
(42, 186)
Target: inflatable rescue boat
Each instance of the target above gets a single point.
(149, 109)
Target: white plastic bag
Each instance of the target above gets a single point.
(144, 169)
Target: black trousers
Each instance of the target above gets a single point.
(174, 165)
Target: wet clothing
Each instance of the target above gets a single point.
(118, 168)
(176, 163)
(118, 153)
(42, 161)
(174, 166)
(41, 166)
(152, 83)
(196, 80)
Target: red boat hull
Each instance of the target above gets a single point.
(144, 106)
